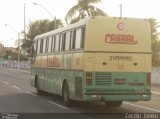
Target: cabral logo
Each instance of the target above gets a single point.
(120, 26)
(121, 39)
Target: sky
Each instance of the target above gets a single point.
(12, 13)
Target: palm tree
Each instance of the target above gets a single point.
(36, 28)
(154, 26)
(155, 42)
(84, 8)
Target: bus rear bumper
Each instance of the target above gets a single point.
(117, 97)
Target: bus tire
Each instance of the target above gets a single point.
(66, 94)
(38, 91)
(113, 103)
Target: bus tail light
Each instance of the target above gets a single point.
(89, 78)
(148, 79)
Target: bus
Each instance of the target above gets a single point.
(98, 59)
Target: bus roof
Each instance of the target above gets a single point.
(81, 23)
(65, 28)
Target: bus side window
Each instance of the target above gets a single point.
(78, 39)
(44, 45)
(41, 45)
(35, 47)
(46, 49)
(73, 39)
(60, 42)
(50, 44)
(63, 41)
(83, 37)
(68, 40)
(53, 43)
(57, 43)
(38, 43)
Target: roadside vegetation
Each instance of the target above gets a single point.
(83, 9)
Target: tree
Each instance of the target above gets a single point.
(83, 8)
(155, 42)
(38, 27)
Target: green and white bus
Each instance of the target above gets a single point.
(99, 59)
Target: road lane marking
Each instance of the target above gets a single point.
(21, 70)
(142, 107)
(30, 93)
(57, 104)
(15, 87)
(156, 93)
(5, 82)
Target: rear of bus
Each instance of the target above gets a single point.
(117, 60)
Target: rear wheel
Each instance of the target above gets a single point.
(66, 94)
(113, 103)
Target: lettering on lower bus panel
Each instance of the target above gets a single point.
(53, 62)
(56, 62)
(120, 58)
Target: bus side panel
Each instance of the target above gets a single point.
(33, 76)
(76, 82)
(56, 79)
(41, 78)
(50, 81)
(37, 70)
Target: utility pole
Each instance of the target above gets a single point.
(120, 10)
(24, 21)
(48, 13)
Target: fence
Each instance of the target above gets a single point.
(14, 64)
(155, 76)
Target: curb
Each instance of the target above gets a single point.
(20, 70)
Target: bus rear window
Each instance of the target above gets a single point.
(79, 38)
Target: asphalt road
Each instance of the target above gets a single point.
(17, 96)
